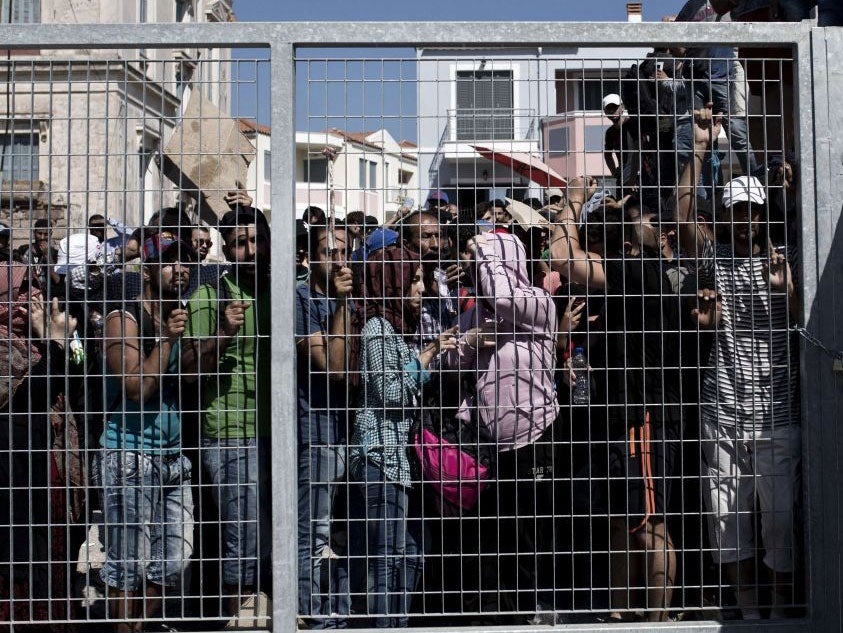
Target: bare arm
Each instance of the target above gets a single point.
(141, 376)
(328, 354)
(693, 236)
(201, 356)
(567, 255)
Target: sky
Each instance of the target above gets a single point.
(365, 96)
(448, 10)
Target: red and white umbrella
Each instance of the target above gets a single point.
(525, 165)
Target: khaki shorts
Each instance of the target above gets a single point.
(746, 472)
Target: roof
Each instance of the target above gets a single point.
(357, 137)
(248, 126)
(407, 144)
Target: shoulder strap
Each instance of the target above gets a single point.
(147, 338)
(146, 334)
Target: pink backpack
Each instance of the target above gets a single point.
(457, 476)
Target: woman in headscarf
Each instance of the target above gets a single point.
(393, 372)
(33, 472)
(509, 341)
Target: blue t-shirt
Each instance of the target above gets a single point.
(322, 402)
(153, 426)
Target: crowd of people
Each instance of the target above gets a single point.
(580, 406)
(133, 364)
(449, 460)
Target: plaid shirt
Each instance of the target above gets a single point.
(392, 378)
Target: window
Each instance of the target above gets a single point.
(21, 11)
(593, 90)
(267, 166)
(577, 92)
(368, 174)
(484, 105)
(595, 135)
(19, 156)
(144, 158)
(558, 141)
(404, 176)
(184, 8)
(315, 169)
(143, 11)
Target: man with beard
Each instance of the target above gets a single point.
(749, 410)
(147, 499)
(41, 256)
(228, 345)
(322, 351)
(638, 378)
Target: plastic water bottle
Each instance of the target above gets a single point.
(581, 393)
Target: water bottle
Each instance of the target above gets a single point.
(581, 393)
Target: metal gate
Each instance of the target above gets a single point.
(384, 119)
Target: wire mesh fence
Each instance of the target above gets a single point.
(568, 391)
(546, 324)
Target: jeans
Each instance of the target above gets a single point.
(148, 510)
(718, 93)
(393, 542)
(240, 477)
(321, 471)
(830, 13)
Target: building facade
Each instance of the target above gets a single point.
(355, 171)
(540, 101)
(80, 129)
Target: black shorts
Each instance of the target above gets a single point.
(641, 468)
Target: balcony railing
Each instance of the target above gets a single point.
(491, 124)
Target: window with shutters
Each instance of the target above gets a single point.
(368, 174)
(558, 140)
(21, 11)
(19, 156)
(484, 105)
(315, 170)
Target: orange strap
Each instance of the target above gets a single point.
(646, 470)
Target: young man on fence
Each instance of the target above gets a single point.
(227, 344)
(644, 423)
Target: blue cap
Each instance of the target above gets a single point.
(438, 195)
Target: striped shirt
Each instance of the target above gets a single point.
(750, 380)
(392, 379)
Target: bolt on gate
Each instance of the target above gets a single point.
(552, 340)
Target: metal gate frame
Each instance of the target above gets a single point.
(819, 75)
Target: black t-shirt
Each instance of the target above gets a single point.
(642, 338)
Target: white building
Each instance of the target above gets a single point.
(369, 172)
(79, 129)
(258, 182)
(542, 101)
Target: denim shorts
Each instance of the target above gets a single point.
(148, 510)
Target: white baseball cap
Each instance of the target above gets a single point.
(743, 189)
(612, 99)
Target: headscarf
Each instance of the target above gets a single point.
(389, 274)
(16, 353)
